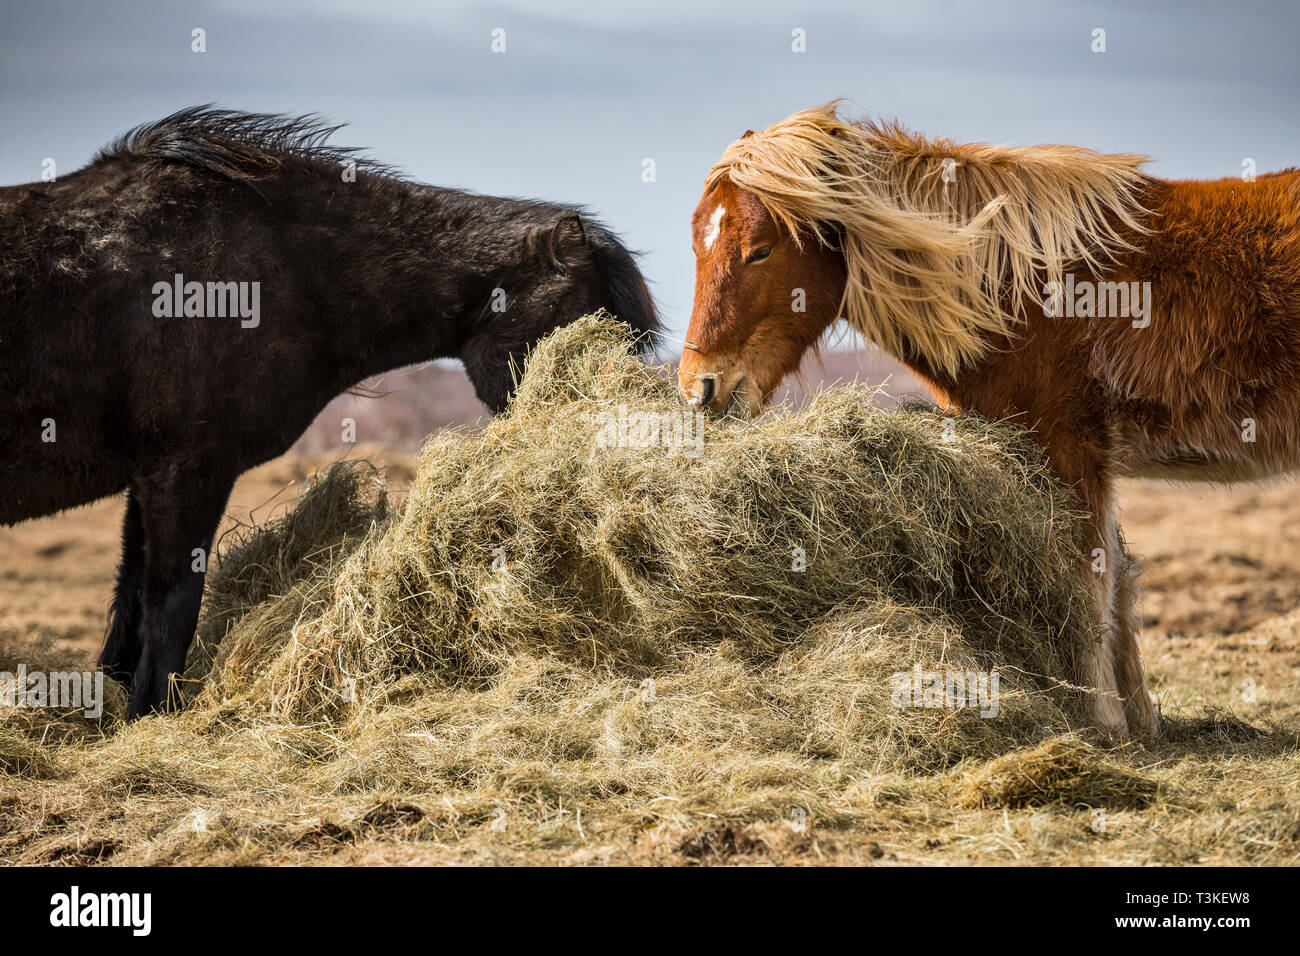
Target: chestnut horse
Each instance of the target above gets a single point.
(1137, 326)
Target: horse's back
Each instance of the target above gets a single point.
(1209, 381)
(93, 385)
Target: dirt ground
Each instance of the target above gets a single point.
(1221, 611)
(56, 574)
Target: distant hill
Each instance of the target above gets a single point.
(408, 405)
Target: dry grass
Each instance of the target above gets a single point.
(1059, 770)
(554, 651)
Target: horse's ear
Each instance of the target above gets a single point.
(568, 236)
(565, 243)
(561, 244)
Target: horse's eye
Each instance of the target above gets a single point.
(758, 255)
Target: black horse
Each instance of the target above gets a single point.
(179, 311)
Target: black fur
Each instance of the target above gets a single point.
(356, 278)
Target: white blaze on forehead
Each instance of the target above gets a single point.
(714, 227)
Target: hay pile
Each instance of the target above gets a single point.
(553, 641)
(767, 541)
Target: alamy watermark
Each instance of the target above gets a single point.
(74, 908)
(1087, 299)
(61, 690)
(208, 300)
(954, 690)
(682, 428)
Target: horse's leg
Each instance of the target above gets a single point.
(121, 651)
(1129, 674)
(1080, 466)
(1107, 562)
(1099, 658)
(180, 514)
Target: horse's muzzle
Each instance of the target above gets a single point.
(708, 389)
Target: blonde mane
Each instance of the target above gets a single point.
(942, 241)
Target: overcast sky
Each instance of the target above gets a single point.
(586, 91)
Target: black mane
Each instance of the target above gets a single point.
(246, 147)
(627, 287)
(240, 146)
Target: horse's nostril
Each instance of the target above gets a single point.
(708, 388)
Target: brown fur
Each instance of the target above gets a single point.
(1170, 400)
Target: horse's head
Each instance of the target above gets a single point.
(763, 296)
(558, 266)
(930, 249)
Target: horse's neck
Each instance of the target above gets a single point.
(944, 388)
(980, 385)
(420, 287)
